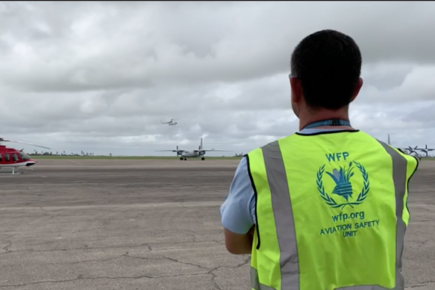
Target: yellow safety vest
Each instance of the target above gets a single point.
(331, 212)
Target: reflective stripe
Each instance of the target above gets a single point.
(255, 284)
(399, 179)
(283, 214)
(282, 209)
(375, 287)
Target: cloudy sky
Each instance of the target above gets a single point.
(101, 76)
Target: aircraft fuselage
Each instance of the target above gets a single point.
(192, 154)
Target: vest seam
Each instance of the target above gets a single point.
(327, 132)
(407, 184)
(256, 200)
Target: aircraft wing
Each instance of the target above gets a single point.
(173, 150)
(214, 150)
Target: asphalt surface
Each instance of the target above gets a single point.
(148, 224)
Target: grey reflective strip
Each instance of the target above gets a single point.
(367, 288)
(399, 179)
(284, 222)
(255, 284)
(283, 214)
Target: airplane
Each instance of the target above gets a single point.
(426, 150)
(184, 154)
(412, 150)
(12, 158)
(170, 123)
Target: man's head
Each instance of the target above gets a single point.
(325, 72)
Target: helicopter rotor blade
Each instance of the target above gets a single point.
(5, 140)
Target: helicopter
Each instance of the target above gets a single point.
(13, 158)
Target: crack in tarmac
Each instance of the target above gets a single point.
(86, 248)
(424, 284)
(80, 277)
(209, 271)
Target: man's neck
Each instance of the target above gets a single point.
(320, 115)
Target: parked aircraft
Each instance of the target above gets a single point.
(426, 150)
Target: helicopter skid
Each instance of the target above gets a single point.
(11, 170)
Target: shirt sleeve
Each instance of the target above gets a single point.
(238, 210)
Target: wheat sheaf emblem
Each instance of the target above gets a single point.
(343, 185)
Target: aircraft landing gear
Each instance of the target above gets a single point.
(202, 158)
(181, 158)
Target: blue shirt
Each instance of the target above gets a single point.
(238, 210)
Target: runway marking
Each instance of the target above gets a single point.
(132, 206)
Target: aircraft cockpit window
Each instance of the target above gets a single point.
(7, 158)
(14, 157)
(24, 156)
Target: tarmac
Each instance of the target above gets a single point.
(148, 224)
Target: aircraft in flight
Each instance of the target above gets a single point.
(170, 123)
(196, 153)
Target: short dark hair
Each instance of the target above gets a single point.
(328, 65)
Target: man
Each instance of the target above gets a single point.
(324, 208)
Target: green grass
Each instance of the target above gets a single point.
(44, 157)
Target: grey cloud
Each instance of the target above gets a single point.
(120, 45)
(102, 75)
(417, 84)
(425, 115)
(386, 76)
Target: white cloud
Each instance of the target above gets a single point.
(101, 76)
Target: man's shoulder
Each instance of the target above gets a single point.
(271, 143)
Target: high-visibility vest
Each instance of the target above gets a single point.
(331, 211)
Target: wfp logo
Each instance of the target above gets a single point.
(343, 186)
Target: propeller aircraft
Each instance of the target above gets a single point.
(414, 150)
(170, 123)
(426, 150)
(196, 153)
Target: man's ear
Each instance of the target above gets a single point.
(358, 86)
(296, 89)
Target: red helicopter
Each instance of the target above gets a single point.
(12, 158)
